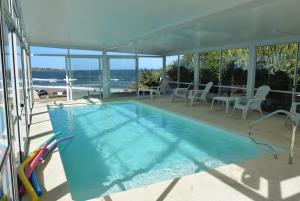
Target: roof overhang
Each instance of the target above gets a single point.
(158, 26)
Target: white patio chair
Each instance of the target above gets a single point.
(293, 110)
(181, 93)
(252, 103)
(201, 95)
(160, 89)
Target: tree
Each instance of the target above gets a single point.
(149, 78)
(186, 69)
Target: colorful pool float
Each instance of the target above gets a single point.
(32, 165)
(35, 183)
(21, 172)
(53, 145)
(33, 189)
(51, 139)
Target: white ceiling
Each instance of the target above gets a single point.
(157, 26)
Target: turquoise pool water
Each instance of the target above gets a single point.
(123, 145)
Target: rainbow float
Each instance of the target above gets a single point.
(26, 170)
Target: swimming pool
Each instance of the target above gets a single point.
(122, 145)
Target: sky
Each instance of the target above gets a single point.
(91, 63)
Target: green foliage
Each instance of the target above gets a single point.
(280, 57)
(210, 62)
(149, 78)
(186, 69)
(172, 72)
(275, 66)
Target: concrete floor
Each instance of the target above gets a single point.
(261, 179)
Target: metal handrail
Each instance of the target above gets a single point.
(292, 116)
(235, 87)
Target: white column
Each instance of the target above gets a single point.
(69, 73)
(67, 78)
(15, 71)
(164, 70)
(178, 69)
(30, 81)
(100, 78)
(294, 89)
(251, 70)
(105, 76)
(137, 75)
(196, 70)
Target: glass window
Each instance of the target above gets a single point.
(3, 126)
(150, 71)
(8, 5)
(20, 73)
(121, 54)
(86, 77)
(275, 67)
(149, 55)
(186, 69)
(48, 75)
(210, 69)
(172, 70)
(11, 104)
(84, 52)
(21, 106)
(122, 77)
(210, 64)
(47, 50)
(29, 79)
(5, 181)
(234, 65)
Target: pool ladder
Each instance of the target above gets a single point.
(290, 115)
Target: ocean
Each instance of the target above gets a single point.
(120, 79)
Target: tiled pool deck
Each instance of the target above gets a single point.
(261, 179)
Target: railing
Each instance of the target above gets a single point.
(292, 117)
(235, 87)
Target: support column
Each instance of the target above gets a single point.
(220, 73)
(69, 74)
(294, 89)
(105, 76)
(164, 70)
(67, 78)
(137, 75)
(178, 70)
(196, 70)
(100, 78)
(251, 70)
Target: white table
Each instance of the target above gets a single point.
(225, 99)
(151, 92)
